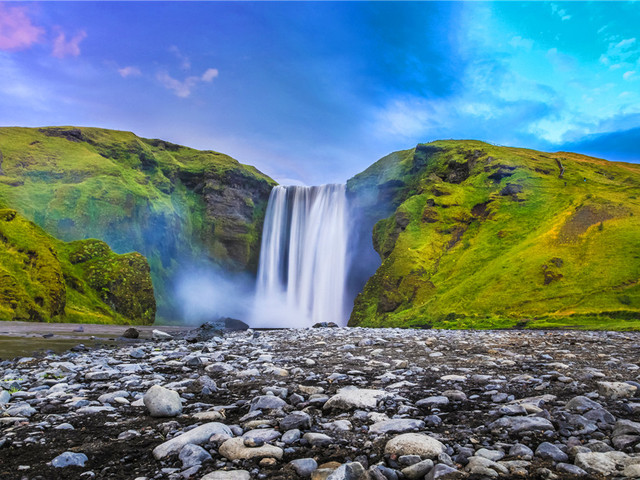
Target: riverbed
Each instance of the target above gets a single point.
(352, 403)
(27, 339)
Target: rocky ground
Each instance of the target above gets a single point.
(329, 403)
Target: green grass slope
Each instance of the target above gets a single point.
(44, 279)
(483, 236)
(175, 205)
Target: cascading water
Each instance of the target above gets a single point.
(303, 258)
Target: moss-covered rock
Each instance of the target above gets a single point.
(175, 205)
(43, 279)
(475, 235)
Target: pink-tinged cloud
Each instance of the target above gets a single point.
(16, 30)
(67, 48)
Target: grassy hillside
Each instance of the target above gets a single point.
(484, 236)
(175, 205)
(43, 279)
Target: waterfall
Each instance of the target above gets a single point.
(303, 258)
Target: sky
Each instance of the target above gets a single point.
(314, 92)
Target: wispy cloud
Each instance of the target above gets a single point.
(521, 43)
(630, 75)
(129, 71)
(67, 48)
(183, 88)
(620, 52)
(17, 32)
(209, 75)
(560, 12)
(185, 61)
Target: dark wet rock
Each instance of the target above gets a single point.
(295, 420)
(444, 472)
(131, 333)
(267, 402)
(521, 451)
(581, 404)
(325, 325)
(570, 469)
(317, 439)
(192, 455)
(304, 467)
(550, 451)
(417, 470)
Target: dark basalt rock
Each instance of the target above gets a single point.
(325, 325)
(502, 171)
(71, 134)
(131, 333)
(215, 328)
(511, 189)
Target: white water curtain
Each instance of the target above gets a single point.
(303, 259)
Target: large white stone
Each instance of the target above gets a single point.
(615, 390)
(160, 335)
(197, 436)
(350, 398)
(601, 463)
(414, 444)
(235, 449)
(162, 402)
(396, 425)
(522, 424)
(227, 475)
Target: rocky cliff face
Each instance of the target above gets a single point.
(474, 235)
(43, 279)
(175, 205)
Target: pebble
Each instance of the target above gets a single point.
(197, 436)
(304, 467)
(69, 459)
(162, 402)
(414, 444)
(192, 455)
(235, 449)
(228, 475)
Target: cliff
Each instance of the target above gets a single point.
(175, 205)
(472, 235)
(43, 279)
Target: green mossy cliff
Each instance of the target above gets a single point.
(44, 279)
(175, 205)
(473, 235)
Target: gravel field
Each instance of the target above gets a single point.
(336, 403)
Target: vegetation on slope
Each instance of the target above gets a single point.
(483, 236)
(175, 205)
(44, 279)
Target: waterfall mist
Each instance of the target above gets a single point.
(207, 292)
(303, 259)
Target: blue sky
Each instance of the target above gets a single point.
(315, 92)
